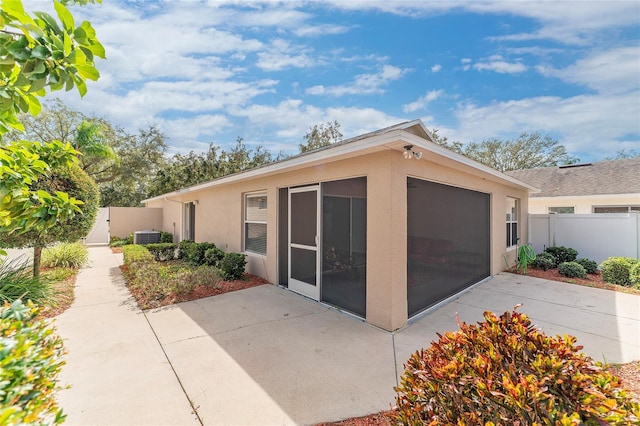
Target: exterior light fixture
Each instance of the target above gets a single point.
(409, 153)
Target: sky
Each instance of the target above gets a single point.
(266, 71)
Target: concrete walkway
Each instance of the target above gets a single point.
(265, 356)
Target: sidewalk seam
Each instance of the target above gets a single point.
(175, 373)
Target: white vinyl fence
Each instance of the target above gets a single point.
(594, 236)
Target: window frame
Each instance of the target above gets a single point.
(572, 208)
(630, 208)
(510, 221)
(246, 221)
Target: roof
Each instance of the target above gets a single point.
(600, 178)
(389, 138)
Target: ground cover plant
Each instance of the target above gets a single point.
(194, 274)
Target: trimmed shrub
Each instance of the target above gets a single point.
(195, 252)
(544, 261)
(572, 270)
(129, 238)
(634, 275)
(506, 371)
(30, 361)
(617, 270)
(118, 243)
(232, 266)
(589, 265)
(213, 256)
(562, 254)
(135, 253)
(17, 282)
(66, 255)
(183, 249)
(166, 237)
(162, 251)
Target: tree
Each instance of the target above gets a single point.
(184, 170)
(321, 135)
(71, 180)
(527, 151)
(40, 54)
(623, 154)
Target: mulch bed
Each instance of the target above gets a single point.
(592, 280)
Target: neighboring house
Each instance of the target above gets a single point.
(603, 187)
(383, 226)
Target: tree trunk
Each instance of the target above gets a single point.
(37, 259)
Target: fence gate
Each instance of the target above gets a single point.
(99, 234)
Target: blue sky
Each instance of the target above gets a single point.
(266, 71)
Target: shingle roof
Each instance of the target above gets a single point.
(604, 177)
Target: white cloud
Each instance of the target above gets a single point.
(422, 101)
(282, 54)
(612, 71)
(320, 30)
(436, 68)
(497, 64)
(363, 84)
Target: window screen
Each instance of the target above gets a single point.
(447, 241)
(255, 223)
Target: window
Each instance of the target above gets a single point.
(512, 221)
(561, 210)
(255, 223)
(615, 209)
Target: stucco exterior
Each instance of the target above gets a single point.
(219, 209)
(125, 220)
(583, 204)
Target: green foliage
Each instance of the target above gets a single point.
(66, 255)
(562, 254)
(194, 252)
(23, 205)
(134, 254)
(232, 266)
(129, 238)
(154, 282)
(166, 237)
(572, 270)
(17, 282)
(634, 275)
(321, 135)
(589, 265)
(544, 261)
(183, 170)
(527, 151)
(505, 371)
(213, 256)
(617, 270)
(162, 251)
(30, 361)
(42, 53)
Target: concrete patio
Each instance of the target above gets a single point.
(268, 356)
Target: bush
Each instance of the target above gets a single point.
(617, 270)
(232, 266)
(505, 371)
(65, 255)
(562, 254)
(544, 261)
(17, 281)
(589, 265)
(572, 270)
(118, 243)
(129, 238)
(213, 256)
(183, 249)
(30, 361)
(195, 252)
(162, 251)
(135, 254)
(166, 237)
(634, 275)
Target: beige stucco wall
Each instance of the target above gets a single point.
(583, 204)
(125, 220)
(219, 218)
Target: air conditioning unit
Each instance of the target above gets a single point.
(146, 237)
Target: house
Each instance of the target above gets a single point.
(383, 226)
(602, 187)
